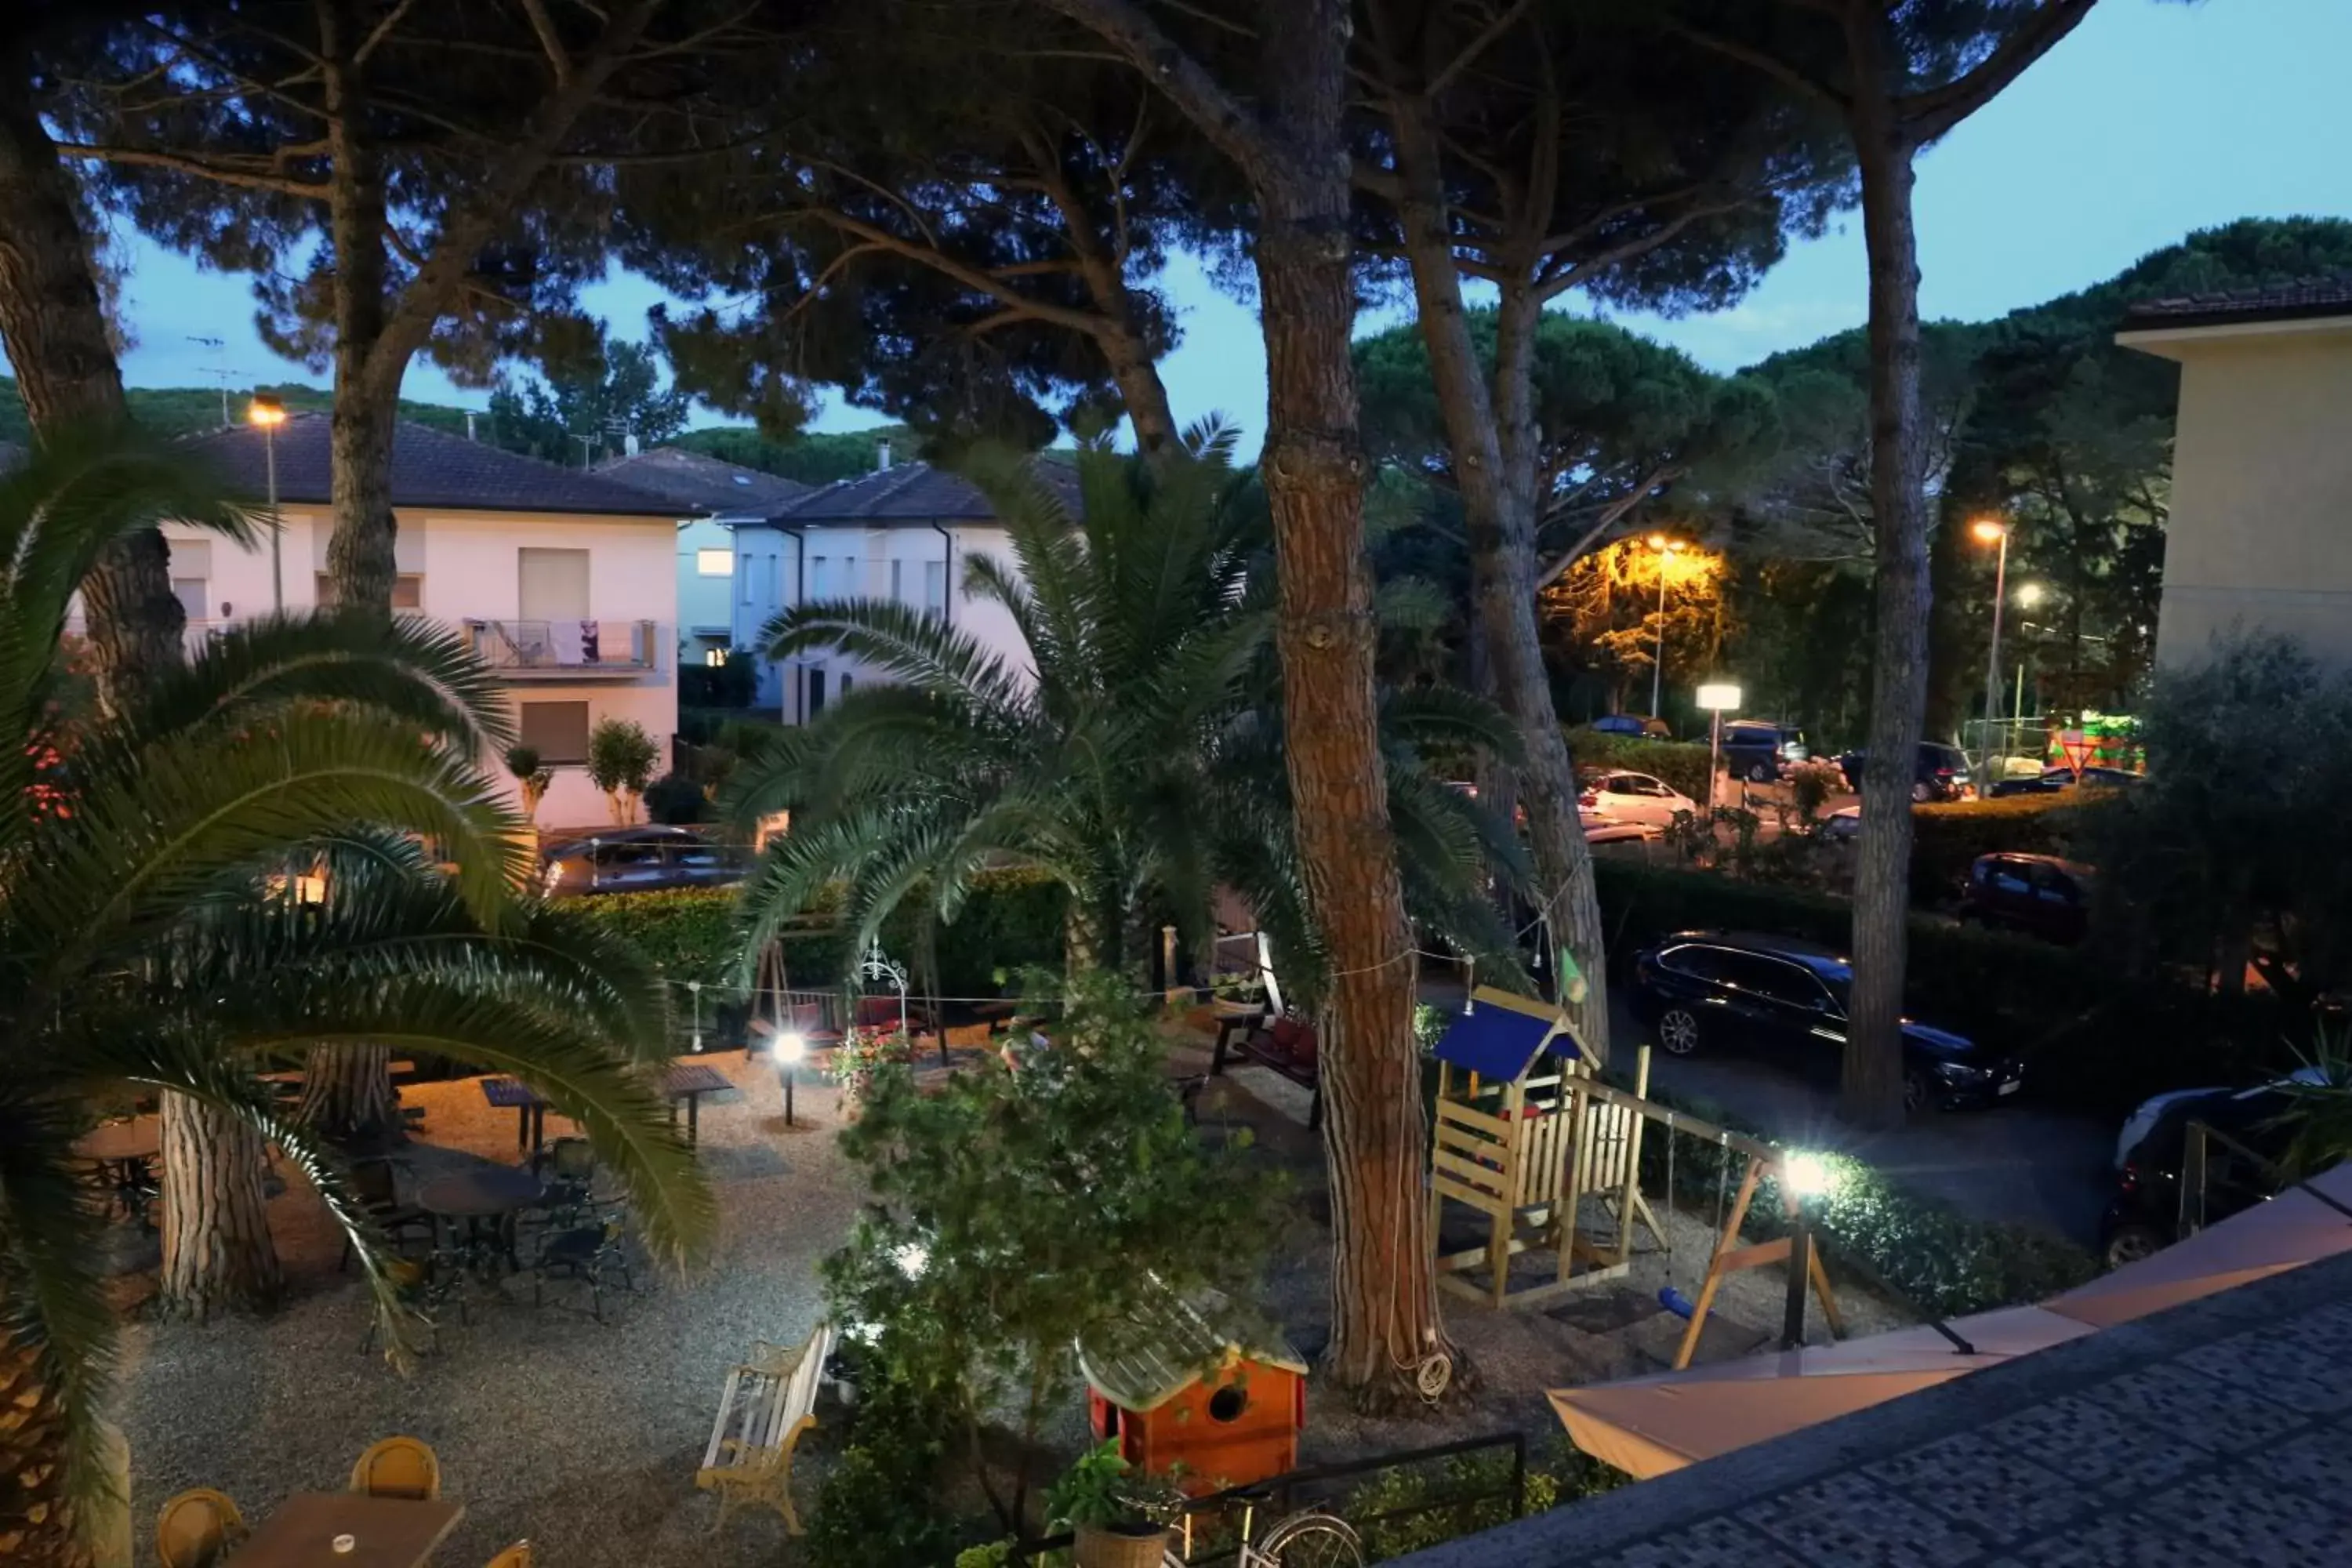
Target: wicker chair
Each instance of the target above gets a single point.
(196, 1528)
(515, 1556)
(398, 1467)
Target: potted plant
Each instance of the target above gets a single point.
(1119, 1519)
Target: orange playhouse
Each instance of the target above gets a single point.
(1194, 1380)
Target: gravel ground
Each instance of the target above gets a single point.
(582, 1438)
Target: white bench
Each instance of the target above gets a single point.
(768, 1403)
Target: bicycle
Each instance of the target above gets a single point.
(1311, 1537)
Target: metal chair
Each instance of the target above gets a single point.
(398, 1467)
(376, 1184)
(586, 1253)
(196, 1528)
(570, 1171)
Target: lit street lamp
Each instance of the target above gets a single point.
(1717, 698)
(268, 413)
(1667, 550)
(1991, 531)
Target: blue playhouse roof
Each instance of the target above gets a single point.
(1501, 1034)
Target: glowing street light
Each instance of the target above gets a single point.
(788, 1048)
(1805, 1178)
(2030, 595)
(1718, 697)
(1667, 548)
(1993, 531)
(1807, 1175)
(268, 413)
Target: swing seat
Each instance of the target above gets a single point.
(1674, 1301)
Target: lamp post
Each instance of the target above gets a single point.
(1991, 531)
(1667, 550)
(1717, 698)
(268, 413)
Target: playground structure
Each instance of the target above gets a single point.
(1525, 1135)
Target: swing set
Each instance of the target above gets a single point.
(1524, 1133)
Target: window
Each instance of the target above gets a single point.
(849, 583)
(746, 586)
(898, 581)
(716, 657)
(195, 603)
(844, 683)
(1698, 962)
(1772, 979)
(935, 586)
(552, 584)
(558, 732)
(815, 694)
(717, 563)
(407, 590)
(820, 587)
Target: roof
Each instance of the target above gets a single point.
(1143, 1361)
(2308, 298)
(429, 469)
(1499, 1036)
(912, 492)
(698, 482)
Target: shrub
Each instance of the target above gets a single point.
(1561, 1473)
(675, 799)
(1916, 1247)
(1010, 920)
(878, 1506)
(621, 758)
(1681, 764)
(1945, 839)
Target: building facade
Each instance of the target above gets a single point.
(2260, 536)
(707, 494)
(904, 534)
(564, 580)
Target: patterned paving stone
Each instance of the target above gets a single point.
(2318, 1463)
(1711, 1543)
(2313, 1375)
(1994, 1490)
(2195, 1408)
(2095, 1445)
(2233, 1517)
(2109, 1542)
(1850, 1521)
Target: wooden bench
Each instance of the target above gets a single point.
(1285, 1044)
(768, 1403)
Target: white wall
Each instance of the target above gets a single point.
(858, 562)
(2260, 529)
(470, 570)
(705, 601)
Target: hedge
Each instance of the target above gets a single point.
(1946, 839)
(1681, 764)
(1918, 1249)
(2095, 1039)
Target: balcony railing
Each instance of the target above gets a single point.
(567, 651)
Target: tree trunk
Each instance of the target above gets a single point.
(1141, 388)
(217, 1254)
(38, 1518)
(1494, 444)
(347, 1095)
(54, 322)
(1385, 1317)
(1871, 1090)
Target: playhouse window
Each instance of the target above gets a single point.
(1228, 1402)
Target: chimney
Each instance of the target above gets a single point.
(882, 454)
(469, 425)
(629, 443)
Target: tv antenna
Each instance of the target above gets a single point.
(220, 373)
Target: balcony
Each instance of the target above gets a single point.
(567, 651)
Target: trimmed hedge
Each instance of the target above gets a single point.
(1918, 1249)
(1946, 839)
(1681, 764)
(2095, 1039)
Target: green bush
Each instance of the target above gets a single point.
(675, 799)
(1945, 839)
(1681, 764)
(1010, 920)
(1561, 1473)
(1918, 1249)
(878, 1506)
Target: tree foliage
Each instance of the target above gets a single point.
(584, 415)
(811, 458)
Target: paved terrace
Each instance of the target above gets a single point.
(2219, 1431)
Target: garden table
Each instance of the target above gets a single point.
(348, 1529)
(690, 1081)
(480, 1193)
(125, 1153)
(531, 1110)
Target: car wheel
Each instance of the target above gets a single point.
(1918, 1094)
(1678, 1031)
(1922, 793)
(1762, 773)
(2132, 1243)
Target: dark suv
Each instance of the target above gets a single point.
(1705, 989)
(1756, 752)
(2037, 894)
(1939, 773)
(639, 861)
(2145, 1212)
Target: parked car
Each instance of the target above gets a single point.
(1636, 797)
(1756, 752)
(1600, 827)
(1842, 825)
(1634, 724)
(1702, 990)
(2037, 894)
(639, 861)
(1940, 772)
(2053, 780)
(2144, 1213)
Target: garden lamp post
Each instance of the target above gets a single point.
(1717, 698)
(1993, 531)
(1667, 550)
(268, 413)
(1805, 1180)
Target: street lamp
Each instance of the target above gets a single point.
(1667, 549)
(268, 413)
(1717, 698)
(1993, 531)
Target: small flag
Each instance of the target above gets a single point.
(1572, 988)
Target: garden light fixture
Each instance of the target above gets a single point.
(1806, 1175)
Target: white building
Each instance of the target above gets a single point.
(706, 493)
(2261, 466)
(902, 534)
(565, 581)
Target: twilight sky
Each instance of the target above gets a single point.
(2151, 121)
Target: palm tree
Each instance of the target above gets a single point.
(1139, 764)
(155, 936)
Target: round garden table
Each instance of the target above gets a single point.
(479, 1194)
(125, 1153)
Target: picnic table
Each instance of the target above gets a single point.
(481, 1193)
(689, 1081)
(531, 1110)
(348, 1529)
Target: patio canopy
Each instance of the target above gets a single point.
(1648, 1425)
(1499, 1034)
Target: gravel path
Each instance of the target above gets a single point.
(582, 1438)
